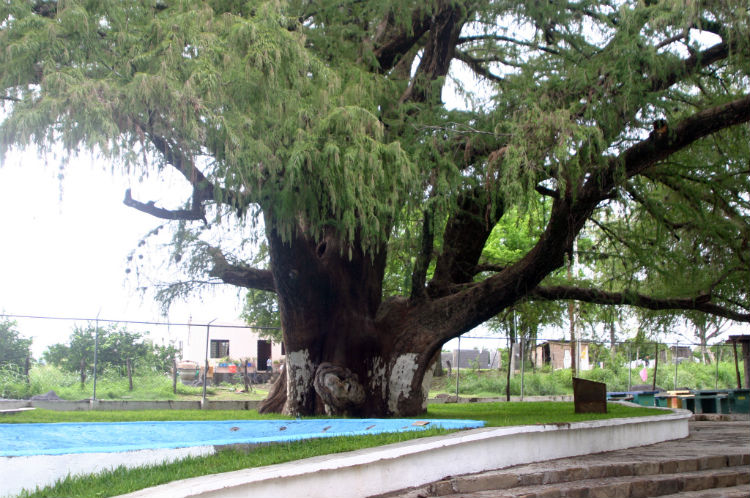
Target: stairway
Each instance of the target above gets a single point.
(707, 464)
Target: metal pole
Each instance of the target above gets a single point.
(96, 348)
(674, 358)
(458, 366)
(630, 370)
(522, 358)
(205, 365)
(736, 365)
(716, 360)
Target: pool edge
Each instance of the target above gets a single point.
(375, 471)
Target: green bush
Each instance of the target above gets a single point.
(546, 382)
(13, 383)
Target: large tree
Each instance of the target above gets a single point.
(322, 123)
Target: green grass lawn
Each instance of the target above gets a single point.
(120, 480)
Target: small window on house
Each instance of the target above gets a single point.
(219, 348)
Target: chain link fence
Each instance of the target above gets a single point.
(546, 367)
(134, 360)
(104, 359)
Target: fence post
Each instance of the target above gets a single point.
(83, 374)
(96, 348)
(27, 368)
(737, 365)
(129, 365)
(458, 366)
(205, 371)
(245, 378)
(656, 367)
(717, 358)
(630, 369)
(523, 353)
(674, 358)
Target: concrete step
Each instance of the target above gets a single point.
(643, 486)
(555, 472)
(742, 491)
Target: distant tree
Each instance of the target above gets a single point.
(705, 328)
(115, 346)
(14, 349)
(262, 310)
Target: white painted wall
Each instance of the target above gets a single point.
(243, 343)
(389, 468)
(17, 473)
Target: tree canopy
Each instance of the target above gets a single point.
(324, 130)
(114, 347)
(15, 350)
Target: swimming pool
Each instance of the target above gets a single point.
(106, 437)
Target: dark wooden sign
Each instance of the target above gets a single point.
(589, 396)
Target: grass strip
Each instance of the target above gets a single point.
(52, 416)
(121, 480)
(533, 413)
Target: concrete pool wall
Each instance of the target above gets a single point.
(379, 470)
(375, 471)
(38, 454)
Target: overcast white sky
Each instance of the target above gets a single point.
(65, 244)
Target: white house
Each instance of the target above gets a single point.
(233, 341)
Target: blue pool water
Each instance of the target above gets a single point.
(91, 437)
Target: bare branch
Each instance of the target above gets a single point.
(701, 302)
(195, 213)
(476, 66)
(547, 191)
(488, 267)
(239, 274)
(535, 46)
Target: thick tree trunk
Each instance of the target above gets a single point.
(340, 359)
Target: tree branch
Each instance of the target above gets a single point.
(195, 213)
(393, 39)
(444, 29)
(495, 37)
(203, 188)
(476, 66)
(419, 273)
(238, 274)
(465, 235)
(660, 145)
(453, 313)
(702, 302)
(696, 61)
(548, 192)
(488, 267)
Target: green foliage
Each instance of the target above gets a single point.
(115, 346)
(546, 382)
(14, 349)
(300, 124)
(233, 83)
(111, 384)
(261, 308)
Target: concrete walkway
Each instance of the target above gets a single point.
(713, 461)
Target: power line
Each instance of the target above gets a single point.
(136, 322)
(256, 327)
(619, 343)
